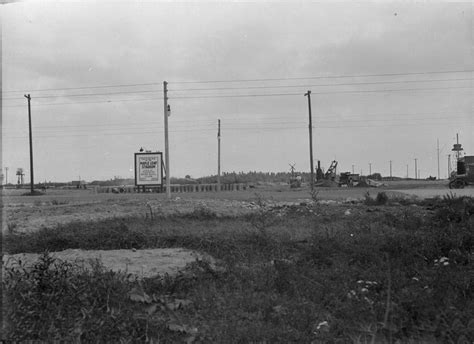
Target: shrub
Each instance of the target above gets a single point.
(60, 301)
(455, 209)
(59, 202)
(381, 198)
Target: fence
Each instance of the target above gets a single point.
(175, 188)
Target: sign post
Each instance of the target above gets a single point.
(149, 170)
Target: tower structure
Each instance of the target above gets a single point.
(457, 147)
(20, 174)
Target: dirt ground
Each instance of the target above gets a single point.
(433, 192)
(30, 213)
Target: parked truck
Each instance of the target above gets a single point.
(464, 174)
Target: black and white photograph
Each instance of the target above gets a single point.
(237, 171)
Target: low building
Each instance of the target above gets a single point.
(79, 184)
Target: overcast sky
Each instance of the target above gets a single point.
(387, 81)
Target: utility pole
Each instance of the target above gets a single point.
(32, 182)
(416, 170)
(310, 126)
(407, 171)
(352, 169)
(391, 170)
(370, 169)
(449, 165)
(437, 141)
(167, 152)
(6, 175)
(218, 155)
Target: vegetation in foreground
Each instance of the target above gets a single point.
(306, 274)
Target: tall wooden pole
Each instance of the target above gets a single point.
(449, 165)
(218, 155)
(437, 141)
(416, 170)
(310, 126)
(32, 182)
(167, 152)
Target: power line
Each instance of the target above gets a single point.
(91, 94)
(91, 102)
(232, 128)
(248, 95)
(83, 88)
(217, 96)
(328, 92)
(323, 77)
(319, 85)
(211, 129)
(238, 95)
(238, 80)
(277, 119)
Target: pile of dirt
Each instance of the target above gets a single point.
(362, 184)
(140, 263)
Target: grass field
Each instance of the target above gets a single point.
(57, 206)
(291, 267)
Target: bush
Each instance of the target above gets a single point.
(60, 301)
(380, 199)
(455, 209)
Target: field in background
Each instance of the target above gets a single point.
(59, 206)
(340, 265)
(279, 192)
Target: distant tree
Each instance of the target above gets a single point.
(249, 177)
(375, 176)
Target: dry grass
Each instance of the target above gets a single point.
(305, 274)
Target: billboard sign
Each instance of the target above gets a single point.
(148, 169)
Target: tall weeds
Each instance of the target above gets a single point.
(405, 278)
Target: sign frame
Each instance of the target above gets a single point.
(150, 182)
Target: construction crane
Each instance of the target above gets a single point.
(331, 172)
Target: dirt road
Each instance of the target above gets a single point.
(428, 193)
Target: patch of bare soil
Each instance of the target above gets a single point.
(139, 263)
(27, 217)
(31, 216)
